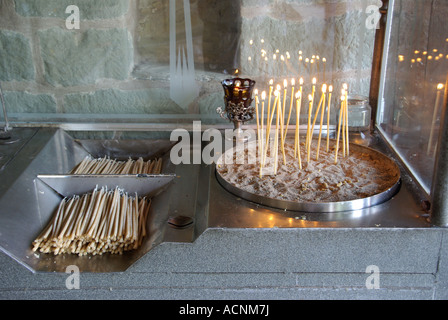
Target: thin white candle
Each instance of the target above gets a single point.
(297, 138)
(293, 82)
(330, 91)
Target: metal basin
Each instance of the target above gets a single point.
(37, 180)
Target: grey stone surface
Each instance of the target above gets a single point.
(16, 60)
(73, 58)
(24, 102)
(148, 101)
(333, 250)
(194, 271)
(89, 10)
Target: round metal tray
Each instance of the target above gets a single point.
(316, 207)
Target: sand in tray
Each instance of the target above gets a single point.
(363, 174)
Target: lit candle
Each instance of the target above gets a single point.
(293, 82)
(330, 91)
(277, 94)
(347, 141)
(271, 88)
(343, 121)
(310, 111)
(236, 89)
(339, 129)
(258, 119)
(269, 125)
(319, 106)
(434, 116)
(285, 93)
(263, 98)
(310, 108)
(297, 137)
(324, 93)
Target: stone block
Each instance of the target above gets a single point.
(16, 59)
(73, 58)
(113, 101)
(89, 10)
(24, 102)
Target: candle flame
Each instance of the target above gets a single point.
(279, 87)
(263, 95)
(440, 86)
(256, 92)
(330, 88)
(345, 86)
(314, 80)
(262, 40)
(343, 98)
(251, 42)
(300, 51)
(298, 94)
(324, 88)
(285, 83)
(271, 82)
(293, 82)
(282, 58)
(310, 97)
(300, 58)
(301, 81)
(276, 93)
(324, 59)
(307, 60)
(274, 56)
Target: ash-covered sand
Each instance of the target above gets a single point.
(363, 174)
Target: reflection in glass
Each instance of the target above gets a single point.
(415, 76)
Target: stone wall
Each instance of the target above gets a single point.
(116, 63)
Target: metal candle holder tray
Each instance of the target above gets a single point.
(44, 181)
(315, 207)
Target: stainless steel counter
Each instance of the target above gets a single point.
(194, 203)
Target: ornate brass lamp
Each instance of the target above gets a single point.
(238, 102)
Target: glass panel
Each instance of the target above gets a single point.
(153, 61)
(415, 75)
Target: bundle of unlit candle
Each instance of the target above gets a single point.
(104, 221)
(109, 166)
